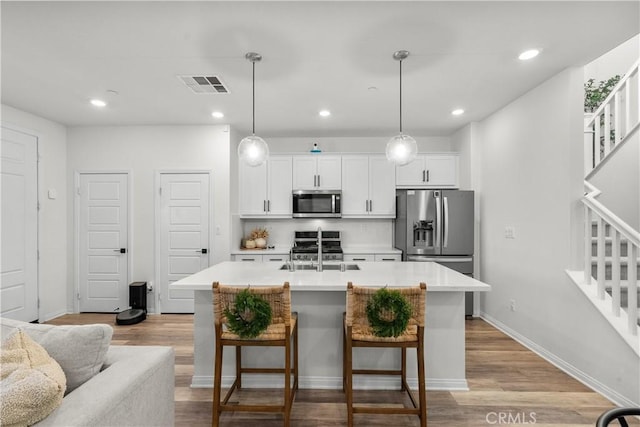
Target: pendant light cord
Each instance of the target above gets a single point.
(401, 96)
(253, 99)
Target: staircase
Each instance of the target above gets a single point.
(612, 246)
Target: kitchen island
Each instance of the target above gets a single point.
(319, 299)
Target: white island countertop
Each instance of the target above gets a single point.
(437, 277)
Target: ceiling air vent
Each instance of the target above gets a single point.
(204, 84)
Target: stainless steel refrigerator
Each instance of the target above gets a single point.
(437, 225)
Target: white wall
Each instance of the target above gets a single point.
(531, 179)
(144, 150)
(52, 146)
(467, 143)
(353, 232)
(353, 144)
(617, 61)
(619, 181)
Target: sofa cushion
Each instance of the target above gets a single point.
(32, 383)
(79, 349)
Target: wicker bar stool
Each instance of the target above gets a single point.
(281, 331)
(357, 332)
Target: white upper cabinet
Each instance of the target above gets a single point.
(368, 186)
(317, 172)
(265, 190)
(429, 170)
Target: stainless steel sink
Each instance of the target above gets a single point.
(324, 267)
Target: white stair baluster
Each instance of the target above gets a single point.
(632, 288)
(588, 225)
(617, 129)
(615, 272)
(600, 255)
(607, 130)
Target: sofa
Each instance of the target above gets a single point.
(131, 385)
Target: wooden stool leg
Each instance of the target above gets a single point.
(403, 368)
(295, 356)
(217, 384)
(239, 366)
(287, 382)
(422, 385)
(344, 359)
(349, 377)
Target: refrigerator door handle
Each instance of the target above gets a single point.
(445, 221)
(438, 230)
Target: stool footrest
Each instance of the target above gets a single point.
(376, 372)
(385, 410)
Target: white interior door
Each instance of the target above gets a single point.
(103, 235)
(19, 250)
(184, 235)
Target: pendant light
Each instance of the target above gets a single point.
(401, 149)
(253, 150)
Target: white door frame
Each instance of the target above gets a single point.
(76, 227)
(37, 136)
(158, 221)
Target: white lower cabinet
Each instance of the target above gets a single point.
(388, 257)
(372, 257)
(260, 258)
(359, 257)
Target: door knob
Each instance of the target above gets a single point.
(121, 250)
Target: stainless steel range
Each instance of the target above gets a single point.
(306, 246)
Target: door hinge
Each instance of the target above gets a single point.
(38, 204)
(78, 295)
(38, 254)
(78, 191)
(38, 302)
(160, 191)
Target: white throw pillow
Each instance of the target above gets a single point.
(79, 349)
(32, 383)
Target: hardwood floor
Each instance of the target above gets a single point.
(509, 385)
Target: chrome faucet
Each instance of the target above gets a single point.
(319, 266)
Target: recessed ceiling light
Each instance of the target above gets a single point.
(324, 113)
(98, 103)
(457, 111)
(217, 114)
(528, 54)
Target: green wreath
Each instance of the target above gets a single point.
(251, 315)
(388, 313)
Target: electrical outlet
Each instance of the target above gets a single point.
(509, 232)
(512, 305)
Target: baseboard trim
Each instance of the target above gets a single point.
(332, 383)
(561, 364)
(51, 316)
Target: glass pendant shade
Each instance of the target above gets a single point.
(402, 149)
(253, 150)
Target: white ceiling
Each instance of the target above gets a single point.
(324, 54)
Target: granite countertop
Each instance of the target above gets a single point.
(437, 277)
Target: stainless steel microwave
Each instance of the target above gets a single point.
(316, 204)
